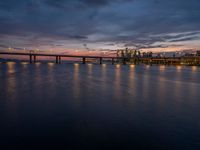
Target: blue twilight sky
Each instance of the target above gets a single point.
(100, 24)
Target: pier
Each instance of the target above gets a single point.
(172, 60)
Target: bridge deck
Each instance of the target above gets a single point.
(164, 60)
(54, 55)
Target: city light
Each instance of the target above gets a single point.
(194, 68)
(104, 65)
(51, 64)
(76, 64)
(118, 66)
(132, 66)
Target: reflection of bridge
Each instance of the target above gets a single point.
(124, 60)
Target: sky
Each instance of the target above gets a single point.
(100, 25)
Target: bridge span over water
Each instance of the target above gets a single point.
(149, 60)
(58, 57)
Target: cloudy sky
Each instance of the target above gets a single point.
(100, 24)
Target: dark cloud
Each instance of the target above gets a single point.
(185, 39)
(78, 4)
(137, 23)
(96, 2)
(3, 46)
(78, 37)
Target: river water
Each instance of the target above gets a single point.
(76, 106)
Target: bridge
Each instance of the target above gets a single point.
(58, 57)
(124, 60)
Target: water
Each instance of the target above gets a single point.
(75, 106)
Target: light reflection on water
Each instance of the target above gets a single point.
(162, 68)
(117, 82)
(194, 68)
(132, 83)
(114, 104)
(178, 68)
(11, 81)
(104, 78)
(11, 66)
(37, 63)
(76, 82)
(90, 67)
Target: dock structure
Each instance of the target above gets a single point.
(172, 60)
(124, 60)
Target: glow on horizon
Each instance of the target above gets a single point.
(76, 47)
(195, 45)
(89, 47)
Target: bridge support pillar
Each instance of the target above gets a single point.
(124, 61)
(83, 61)
(100, 60)
(56, 59)
(34, 58)
(30, 58)
(59, 59)
(112, 61)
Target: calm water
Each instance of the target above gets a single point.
(88, 106)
